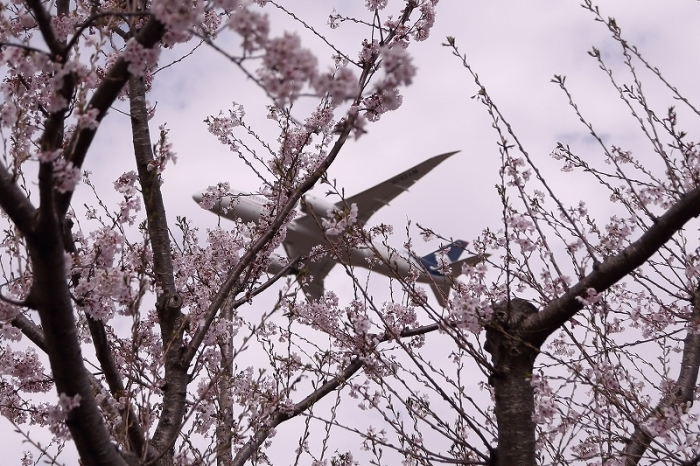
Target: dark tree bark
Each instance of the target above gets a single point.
(224, 426)
(168, 302)
(513, 360)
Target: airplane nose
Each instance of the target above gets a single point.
(197, 197)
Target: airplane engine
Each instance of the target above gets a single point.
(277, 263)
(319, 207)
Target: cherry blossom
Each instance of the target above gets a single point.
(287, 67)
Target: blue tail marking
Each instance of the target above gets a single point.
(453, 251)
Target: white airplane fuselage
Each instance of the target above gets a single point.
(304, 236)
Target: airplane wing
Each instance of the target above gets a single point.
(373, 199)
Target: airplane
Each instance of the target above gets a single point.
(307, 231)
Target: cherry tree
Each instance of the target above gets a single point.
(132, 326)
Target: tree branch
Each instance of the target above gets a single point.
(43, 20)
(682, 392)
(168, 301)
(50, 296)
(36, 335)
(30, 330)
(285, 270)
(14, 202)
(102, 100)
(116, 385)
(539, 326)
(224, 425)
(279, 417)
(250, 256)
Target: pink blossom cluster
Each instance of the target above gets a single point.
(398, 70)
(209, 27)
(664, 421)
(561, 346)
(324, 315)
(443, 262)
(659, 195)
(23, 369)
(126, 185)
(140, 59)
(553, 286)
(522, 230)
(338, 222)
(102, 288)
(214, 194)
(222, 126)
(586, 449)
(470, 308)
(469, 312)
(253, 27)
(398, 317)
(517, 172)
(545, 404)
(164, 152)
(34, 83)
(340, 85)
(66, 176)
(397, 65)
(59, 413)
(617, 234)
(422, 27)
(374, 5)
(178, 17)
(287, 67)
(606, 375)
(63, 25)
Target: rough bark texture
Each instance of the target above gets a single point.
(513, 359)
(224, 426)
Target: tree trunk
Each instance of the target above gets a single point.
(224, 426)
(513, 359)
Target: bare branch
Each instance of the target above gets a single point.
(681, 393)
(43, 19)
(30, 330)
(328, 387)
(539, 326)
(263, 240)
(15, 203)
(113, 377)
(280, 416)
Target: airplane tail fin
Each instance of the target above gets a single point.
(440, 285)
(452, 251)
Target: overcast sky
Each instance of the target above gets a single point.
(515, 46)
